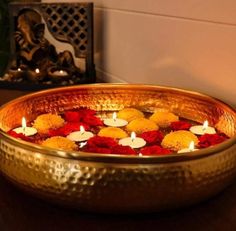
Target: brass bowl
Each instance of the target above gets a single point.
(117, 183)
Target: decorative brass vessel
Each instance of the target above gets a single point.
(118, 183)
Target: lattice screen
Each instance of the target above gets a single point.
(69, 23)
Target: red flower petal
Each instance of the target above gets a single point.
(19, 136)
(67, 129)
(152, 137)
(208, 140)
(92, 120)
(72, 116)
(154, 150)
(95, 149)
(180, 125)
(54, 132)
(120, 149)
(77, 116)
(72, 127)
(103, 142)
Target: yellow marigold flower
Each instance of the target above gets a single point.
(116, 133)
(130, 114)
(141, 125)
(45, 122)
(179, 140)
(60, 142)
(164, 118)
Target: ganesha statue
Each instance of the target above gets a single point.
(36, 59)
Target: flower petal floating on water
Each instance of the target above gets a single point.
(19, 136)
(180, 125)
(103, 142)
(152, 137)
(208, 140)
(154, 150)
(67, 129)
(120, 149)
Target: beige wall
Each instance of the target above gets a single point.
(182, 43)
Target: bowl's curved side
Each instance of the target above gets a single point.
(117, 187)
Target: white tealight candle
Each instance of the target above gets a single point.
(133, 141)
(60, 73)
(191, 148)
(202, 129)
(27, 131)
(37, 70)
(115, 122)
(79, 136)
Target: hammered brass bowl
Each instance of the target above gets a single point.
(117, 183)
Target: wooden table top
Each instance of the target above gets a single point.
(22, 212)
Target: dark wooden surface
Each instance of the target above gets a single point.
(21, 212)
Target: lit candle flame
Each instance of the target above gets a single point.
(61, 71)
(82, 144)
(82, 130)
(133, 136)
(191, 146)
(23, 124)
(19, 69)
(37, 70)
(205, 125)
(114, 116)
(140, 154)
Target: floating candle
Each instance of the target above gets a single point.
(133, 141)
(191, 148)
(27, 131)
(79, 136)
(203, 129)
(115, 122)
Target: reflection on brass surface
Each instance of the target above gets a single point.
(115, 183)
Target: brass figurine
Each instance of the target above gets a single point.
(36, 58)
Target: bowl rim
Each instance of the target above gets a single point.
(118, 158)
